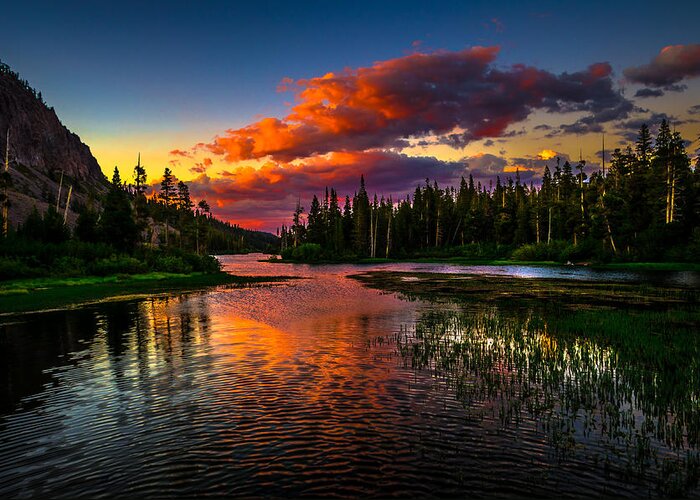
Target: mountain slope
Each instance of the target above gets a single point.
(41, 148)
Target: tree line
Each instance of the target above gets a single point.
(645, 206)
(128, 231)
(6, 70)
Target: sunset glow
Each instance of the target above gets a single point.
(469, 90)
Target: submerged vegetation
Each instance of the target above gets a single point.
(645, 207)
(510, 290)
(628, 401)
(609, 374)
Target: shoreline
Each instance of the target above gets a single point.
(616, 266)
(511, 290)
(45, 294)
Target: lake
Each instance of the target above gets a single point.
(322, 386)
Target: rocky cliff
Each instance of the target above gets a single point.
(41, 150)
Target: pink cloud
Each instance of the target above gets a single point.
(673, 64)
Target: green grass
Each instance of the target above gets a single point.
(29, 295)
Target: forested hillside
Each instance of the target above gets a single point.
(644, 206)
(61, 216)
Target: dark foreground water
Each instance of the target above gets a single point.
(323, 387)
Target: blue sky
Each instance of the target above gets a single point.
(152, 65)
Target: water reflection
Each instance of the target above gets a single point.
(323, 387)
(627, 405)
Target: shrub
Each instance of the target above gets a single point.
(585, 250)
(481, 251)
(308, 252)
(540, 251)
(117, 265)
(11, 268)
(209, 264)
(68, 266)
(171, 264)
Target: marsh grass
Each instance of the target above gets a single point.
(609, 374)
(624, 394)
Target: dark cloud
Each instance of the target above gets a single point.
(580, 127)
(419, 95)
(629, 129)
(485, 166)
(673, 64)
(537, 163)
(694, 110)
(676, 88)
(651, 120)
(647, 92)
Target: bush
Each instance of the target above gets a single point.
(540, 251)
(171, 264)
(209, 264)
(68, 266)
(308, 252)
(588, 249)
(117, 265)
(11, 268)
(178, 261)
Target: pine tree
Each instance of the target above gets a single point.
(315, 226)
(649, 199)
(361, 214)
(117, 226)
(167, 186)
(140, 178)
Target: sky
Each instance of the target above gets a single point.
(256, 105)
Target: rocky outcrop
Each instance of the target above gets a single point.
(41, 149)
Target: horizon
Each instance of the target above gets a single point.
(440, 94)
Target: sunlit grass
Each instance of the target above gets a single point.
(51, 293)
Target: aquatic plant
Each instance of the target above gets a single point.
(620, 386)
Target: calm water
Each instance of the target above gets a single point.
(308, 388)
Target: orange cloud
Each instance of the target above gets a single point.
(420, 94)
(179, 152)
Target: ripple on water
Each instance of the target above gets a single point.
(280, 390)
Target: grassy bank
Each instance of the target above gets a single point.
(38, 294)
